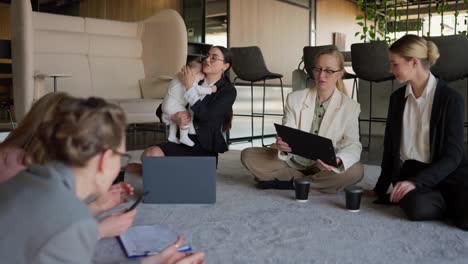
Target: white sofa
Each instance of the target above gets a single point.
(128, 63)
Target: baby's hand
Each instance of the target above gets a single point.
(214, 89)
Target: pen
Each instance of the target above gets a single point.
(134, 205)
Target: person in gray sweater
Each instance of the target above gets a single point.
(42, 214)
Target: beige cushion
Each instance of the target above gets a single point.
(116, 78)
(76, 65)
(139, 105)
(141, 118)
(114, 46)
(22, 40)
(112, 28)
(46, 21)
(60, 42)
(155, 87)
(164, 37)
(140, 110)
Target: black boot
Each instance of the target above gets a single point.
(275, 184)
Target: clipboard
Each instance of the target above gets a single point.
(147, 240)
(308, 145)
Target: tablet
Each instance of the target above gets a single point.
(308, 145)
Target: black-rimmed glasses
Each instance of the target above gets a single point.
(125, 158)
(328, 72)
(212, 58)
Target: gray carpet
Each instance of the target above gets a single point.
(247, 225)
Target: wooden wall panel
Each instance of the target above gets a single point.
(126, 10)
(281, 31)
(337, 16)
(4, 21)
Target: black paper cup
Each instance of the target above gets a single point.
(353, 198)
(302, 190)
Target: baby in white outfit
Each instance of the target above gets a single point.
(174, 102)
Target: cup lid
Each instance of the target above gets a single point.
(354, 189)
(302, 181)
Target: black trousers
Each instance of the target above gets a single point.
(446, 200)
(173, 149)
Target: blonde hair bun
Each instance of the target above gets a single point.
(432, 52)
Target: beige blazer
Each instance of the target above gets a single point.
(340, 122)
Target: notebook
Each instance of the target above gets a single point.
(139, 241)
(308, 145)
(179, 180)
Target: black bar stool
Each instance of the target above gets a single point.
(452, 64)
(248, 64)
(370, 62)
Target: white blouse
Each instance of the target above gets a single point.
(414, 143)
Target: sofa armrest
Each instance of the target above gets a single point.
(154, 87)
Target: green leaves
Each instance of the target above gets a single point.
(372, 16)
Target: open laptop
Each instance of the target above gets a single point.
(179, 180)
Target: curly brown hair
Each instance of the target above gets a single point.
(82, 128)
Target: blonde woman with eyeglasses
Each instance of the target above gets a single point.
(324, 110)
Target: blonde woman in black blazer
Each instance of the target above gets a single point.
(423, 155)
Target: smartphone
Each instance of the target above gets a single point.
(134, 205)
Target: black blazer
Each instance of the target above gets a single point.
(211, 113)
(449, 164)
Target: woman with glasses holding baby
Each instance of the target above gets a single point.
(210, 112)
(324, 110)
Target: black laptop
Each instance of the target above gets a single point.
(179, 180)
(308, 145)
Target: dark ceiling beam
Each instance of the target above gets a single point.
(424, 9)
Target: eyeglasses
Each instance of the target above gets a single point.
(327, 72)
(212, 58)
(125, 158)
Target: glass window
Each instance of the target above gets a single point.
(216, 22)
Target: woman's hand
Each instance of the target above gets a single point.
(116, 224)
(187, 77)
(124, 188)
(281, 145)
(400, 190)
(170, 255)
(325, 167)
(181, 118)
(117, 194)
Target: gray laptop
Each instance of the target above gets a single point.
(179, 180)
